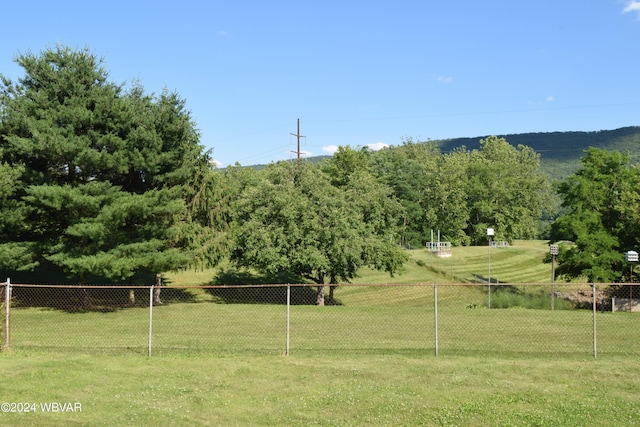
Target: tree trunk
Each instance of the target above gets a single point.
(156, 290)
(332, 281)
(85, 301)
(132, 293)
(320, 295)
(156, 297)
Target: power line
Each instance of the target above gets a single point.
(264, 154)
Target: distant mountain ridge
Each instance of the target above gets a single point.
(560, 152)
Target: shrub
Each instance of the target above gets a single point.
(509, 296)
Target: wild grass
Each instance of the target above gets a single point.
(514, 297)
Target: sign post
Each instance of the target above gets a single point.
(631, 257)
(490, 234)
(553, 250)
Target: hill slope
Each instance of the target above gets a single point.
(560, 152)
(521, 262)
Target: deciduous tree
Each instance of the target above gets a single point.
(295, 221)
(506, 190)
(602, 218)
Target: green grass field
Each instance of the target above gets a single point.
(321, 390)
(218, 358)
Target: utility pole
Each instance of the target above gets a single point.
(298, 136)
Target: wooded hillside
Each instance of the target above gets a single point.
(560, 152)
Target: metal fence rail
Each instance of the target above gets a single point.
(417, 319)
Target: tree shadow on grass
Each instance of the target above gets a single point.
(72, 300)
(45, 288)
(88, 299)
(243, 288)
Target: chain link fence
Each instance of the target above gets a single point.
(545, 320)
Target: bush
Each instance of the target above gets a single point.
(508, 297)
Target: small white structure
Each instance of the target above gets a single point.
(499, 243)
(438, 248)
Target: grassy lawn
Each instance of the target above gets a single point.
(382, 326)
(218, 356)
(319, 390)
(522, 262)
(361, 364)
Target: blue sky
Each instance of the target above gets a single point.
(358, 73)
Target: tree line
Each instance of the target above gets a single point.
(103, 179)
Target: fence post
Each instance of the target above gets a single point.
(595, 337)
(435, 316)
(286, 350)
(7, 312)
(150, 318)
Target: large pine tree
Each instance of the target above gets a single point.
(100, 170)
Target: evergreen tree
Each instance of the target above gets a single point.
(102, 172)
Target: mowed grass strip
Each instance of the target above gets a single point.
(357, 390)
(206, 327)
(521, 262)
